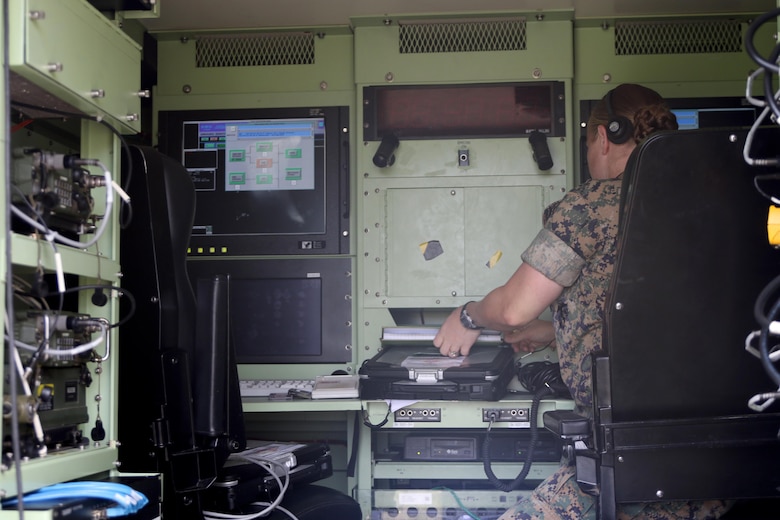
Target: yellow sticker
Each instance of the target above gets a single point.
(494, 259)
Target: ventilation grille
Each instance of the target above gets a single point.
(637, 38)
(255, 50)
(501, 35)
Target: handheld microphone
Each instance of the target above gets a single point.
(541, 152)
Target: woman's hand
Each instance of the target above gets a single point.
(533, 336)
(453, 339)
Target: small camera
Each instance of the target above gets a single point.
(385, 154)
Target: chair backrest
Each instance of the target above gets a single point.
(180, 407)
(692, 257)
(671, 388)
(153, 256)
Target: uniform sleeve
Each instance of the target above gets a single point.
(560, 250)
(552, 257)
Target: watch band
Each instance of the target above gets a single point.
(465, 318)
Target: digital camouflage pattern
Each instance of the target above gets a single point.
(559, 497)
(576, 248)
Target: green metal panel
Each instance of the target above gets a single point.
(500, 223)
(97, 72)
(472, 218)
(61, 467)
(419, 221)
(683, 75)
(548, 55)
(332, 69)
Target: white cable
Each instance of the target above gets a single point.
(280, 508)
(36, 419)
(85, 347)
(749, 143)
(774, 328)
(103, 222)
(749, 87)
(768, 398)
(774, 354)
(268, 465)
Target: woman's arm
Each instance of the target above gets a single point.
(508, 307)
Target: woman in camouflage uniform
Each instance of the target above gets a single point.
(567, 267)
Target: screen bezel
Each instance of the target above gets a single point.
(336, 292)
(332, 191)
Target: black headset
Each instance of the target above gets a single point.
(619, 128)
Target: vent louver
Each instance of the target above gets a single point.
(255, 50)
(687, 37)
(472, 36)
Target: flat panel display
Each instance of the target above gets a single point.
(268, 181)
(289, 311)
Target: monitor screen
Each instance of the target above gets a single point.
(277, 311)
(290, 311)
(268, 181)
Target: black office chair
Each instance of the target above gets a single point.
(671, 419)
(179, 403)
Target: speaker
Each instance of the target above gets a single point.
(619, 128)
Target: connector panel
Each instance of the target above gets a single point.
(505, 415)
(418, 415)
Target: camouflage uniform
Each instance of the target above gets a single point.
(576, 249)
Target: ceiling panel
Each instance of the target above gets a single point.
(178, 15)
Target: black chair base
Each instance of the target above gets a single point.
(313, 502)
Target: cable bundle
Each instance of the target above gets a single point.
(128, 501)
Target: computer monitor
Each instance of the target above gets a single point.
(286, 311)
(269, 181)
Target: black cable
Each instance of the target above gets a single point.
(759, 307)
(529, 456)
(121, 291)
(367, 421)
(355, 441)
(763, 344)
(750, 33)
(769, 91)
(543, 378)
(534, 376)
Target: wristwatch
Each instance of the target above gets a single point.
(465, 318)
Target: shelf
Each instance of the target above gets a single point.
(31, 252)
(458, 470)
(259, 404)
(62, 466)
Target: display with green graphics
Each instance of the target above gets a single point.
(268, 181)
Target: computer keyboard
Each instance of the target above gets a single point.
(321, 387)
(267, 387)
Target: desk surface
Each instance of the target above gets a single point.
(261, 404)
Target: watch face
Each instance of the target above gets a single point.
(466, 320)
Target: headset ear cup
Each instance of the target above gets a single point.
(619, 129)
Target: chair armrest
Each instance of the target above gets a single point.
(567, 424)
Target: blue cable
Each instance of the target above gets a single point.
(128, 500)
